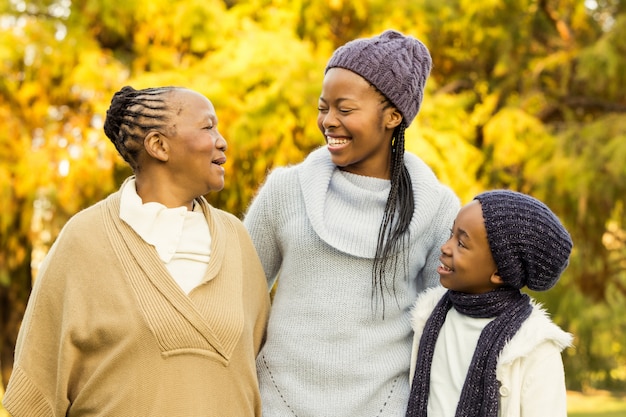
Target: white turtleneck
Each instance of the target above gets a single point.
(181, 237)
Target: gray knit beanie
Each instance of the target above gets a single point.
(528, 242)
(397, 65)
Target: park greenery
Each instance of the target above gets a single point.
(528, 95)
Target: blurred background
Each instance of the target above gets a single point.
(528, 95)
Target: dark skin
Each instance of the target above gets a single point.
(357, 127)
(184, 162)
(467, 264)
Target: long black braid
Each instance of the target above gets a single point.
(132, 114)
(393, 233)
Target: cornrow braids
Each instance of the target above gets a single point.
(132, 114)
(392, 234)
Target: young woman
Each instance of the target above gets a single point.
(351, 235)
(151, 302)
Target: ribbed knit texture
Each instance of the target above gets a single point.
(218, 319)
(107, 328)
(397, 65)
(27, 400)
(181, 237)
(327, 353)
(529, 369)
(479, 396)
(528, 242)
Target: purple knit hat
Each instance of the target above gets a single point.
(528, 242)
(397, 65)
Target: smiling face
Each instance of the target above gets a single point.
(196, 148)
(466, 261)
(357, 123)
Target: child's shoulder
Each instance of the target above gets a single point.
(537, 330)
(431, 296)
(425, 304)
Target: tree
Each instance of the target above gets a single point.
(538, 85)
(524, 94)
(64, 62)
(53, 161)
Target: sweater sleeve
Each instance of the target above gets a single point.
(260, 220)
(24, 398)
(441, 225)
(255, 283)
(34, 388)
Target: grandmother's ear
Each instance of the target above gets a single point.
(156, 146)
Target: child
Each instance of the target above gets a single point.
(354, 232)
(482, 348)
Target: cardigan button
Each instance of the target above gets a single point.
(504, 391)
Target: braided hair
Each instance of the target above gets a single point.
(132, 114)
(393, 233)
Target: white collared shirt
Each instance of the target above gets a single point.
(453, 355)
(181, 237)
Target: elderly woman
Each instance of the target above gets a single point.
(151, 302)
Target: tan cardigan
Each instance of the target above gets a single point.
(108, 332)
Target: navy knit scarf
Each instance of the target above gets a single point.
(479, 395)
